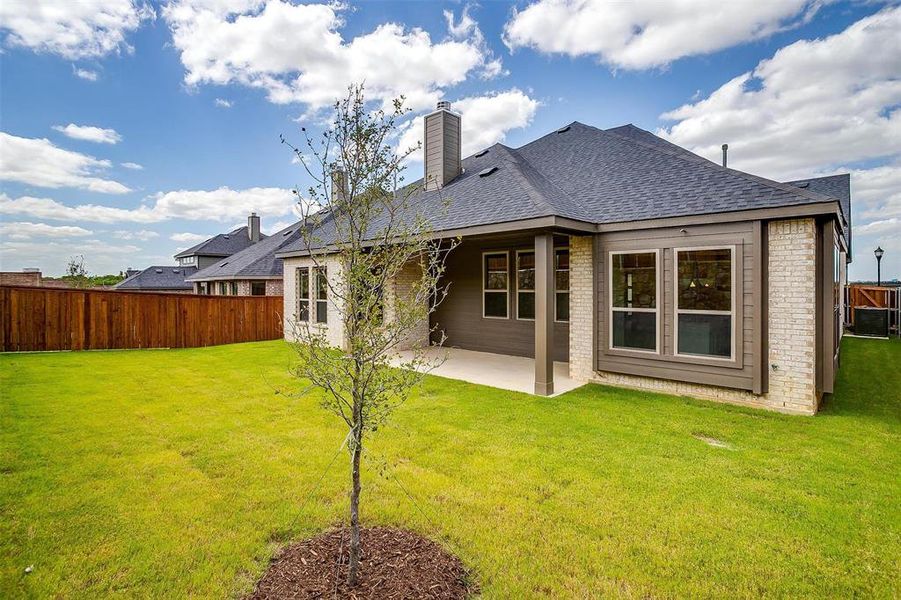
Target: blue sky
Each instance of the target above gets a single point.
(197, 95)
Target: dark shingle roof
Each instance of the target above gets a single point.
(159, 278)
(837, 186)
(224, 244)
(256, 261)
(595, 176)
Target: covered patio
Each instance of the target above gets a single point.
(514, 373)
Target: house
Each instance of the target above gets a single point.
(635, 261)
(254, 271)
(166, 278)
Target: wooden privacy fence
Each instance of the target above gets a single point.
(871, 296)
(35, 319)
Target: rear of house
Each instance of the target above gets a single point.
(631, 259)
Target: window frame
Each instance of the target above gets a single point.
(733, 313)
(658, 309)
(518, 290)
(257, 283)
(298, 298)
(567, 292)
(506, 291)
(320, 271)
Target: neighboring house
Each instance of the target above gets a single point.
(159, 278)
(254, 271)
(636, 261)
(165, 278)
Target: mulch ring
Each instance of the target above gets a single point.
(394, 563)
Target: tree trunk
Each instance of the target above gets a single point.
(354, 565)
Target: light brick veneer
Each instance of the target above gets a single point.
(402, 287)
(334, 329)
(792, 326)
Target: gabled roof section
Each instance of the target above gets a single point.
(595, 177)
(224, 244)
(836, 186)
(256, 262)
(159, 277)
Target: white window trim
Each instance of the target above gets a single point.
(518, 290)
(677, 311)
(506, 292)
(321, 270)
(657, 298)
(298, 297)
(556, 320)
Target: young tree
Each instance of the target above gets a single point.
(370, 229)
(76, 274)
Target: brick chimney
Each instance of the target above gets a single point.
(253, 227)
(441, 147)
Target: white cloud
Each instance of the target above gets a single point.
(221, 103)
(72, 29)
(26, 230)
(142, 235)
(644, 34)
(485, 119)
(89, 133)
(221, 205)
(190, 238)
(36, 161)
(85, 74)
(51, 256)
(133, 166)
(296, 53)
(277, 226)
(817, 107)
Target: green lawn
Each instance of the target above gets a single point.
(178, 473)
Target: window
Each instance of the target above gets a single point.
(223, 288)
(321, 295)
(704, 302)
(258, 288)
(186, 261)
(634, 299)
(303, 293)
(495, 285)
(561, 285)
(525, 285)
(233, 288)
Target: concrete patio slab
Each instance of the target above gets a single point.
(515, 373)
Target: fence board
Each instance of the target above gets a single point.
(37, 319)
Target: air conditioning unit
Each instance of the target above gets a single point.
(871, 321)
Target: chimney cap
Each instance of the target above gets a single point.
(444, 105)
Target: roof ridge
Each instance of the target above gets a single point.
(785, 187)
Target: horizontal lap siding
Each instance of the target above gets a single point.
(667, 366)
(460, 315)
(39, 319)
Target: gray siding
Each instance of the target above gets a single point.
(744, 370)
(460, 315)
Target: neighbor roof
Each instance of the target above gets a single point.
(595, 176)
(159, 278)
(837, 186)
(256, 262)
(224, 244)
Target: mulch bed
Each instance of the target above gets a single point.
(394, 563)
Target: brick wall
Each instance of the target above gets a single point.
(334, 328)
(792, 326)
(20, 278)
(402, 287)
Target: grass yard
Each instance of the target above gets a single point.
(178, 473)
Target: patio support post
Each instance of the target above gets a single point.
(544, 314)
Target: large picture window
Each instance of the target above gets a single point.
(525, 285)
(303, 293)
(704, 302)
(634, 300)
(495, 285)
(561, 285)
(321, 295)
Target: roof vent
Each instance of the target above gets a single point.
(481, 152)
(158, 270)
(803, 184)
(176, 271)
(444, 105)
(223, 264)
(287, 233)
(487, 172)
(225, 236)
(563, 129)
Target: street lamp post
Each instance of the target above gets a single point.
(878, 252)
